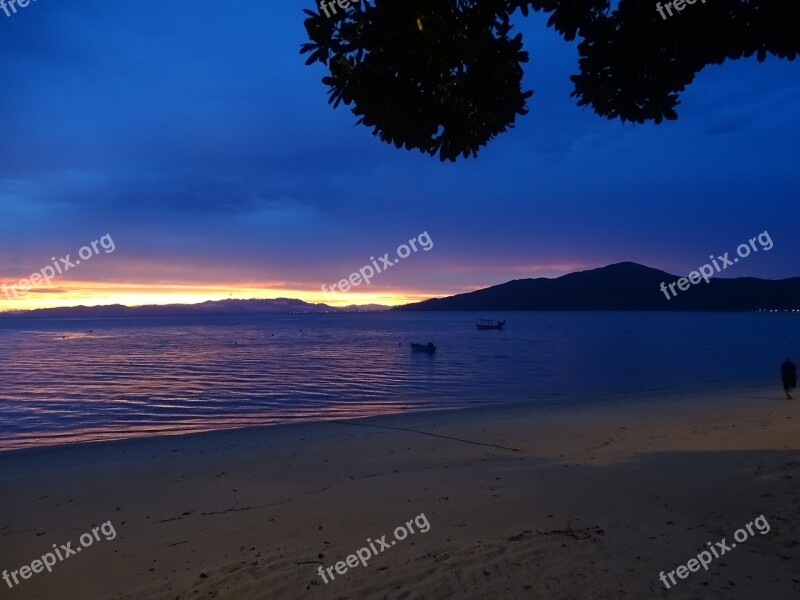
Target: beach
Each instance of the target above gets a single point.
(385, 300)
(580, 500)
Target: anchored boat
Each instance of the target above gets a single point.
(428, 348)
(490, 324)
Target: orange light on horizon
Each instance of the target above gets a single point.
(77, 293)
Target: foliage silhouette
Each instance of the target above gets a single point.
(445, 76)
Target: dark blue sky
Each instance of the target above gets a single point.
(194, 134)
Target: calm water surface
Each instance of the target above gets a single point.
(70, 380)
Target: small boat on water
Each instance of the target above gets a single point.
(428, 348)
(490, 324)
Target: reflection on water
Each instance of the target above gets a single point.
(79, 380)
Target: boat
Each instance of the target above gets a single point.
(490, 324)
(428, 348)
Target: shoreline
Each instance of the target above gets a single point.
(554, 403)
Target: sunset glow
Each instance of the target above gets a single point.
(77, 293)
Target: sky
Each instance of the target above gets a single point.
(195, 138)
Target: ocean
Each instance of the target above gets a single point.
(96, 379)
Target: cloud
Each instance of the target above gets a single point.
(195, 135)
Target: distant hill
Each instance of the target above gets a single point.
(215, 307)
(623, 286)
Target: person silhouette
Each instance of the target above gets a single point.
(788, 376)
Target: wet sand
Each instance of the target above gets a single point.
(580, 501)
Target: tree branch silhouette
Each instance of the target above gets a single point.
(445, 76)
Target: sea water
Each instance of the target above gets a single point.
(82, 380)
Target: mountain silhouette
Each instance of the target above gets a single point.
(623, 286)
(230, 306)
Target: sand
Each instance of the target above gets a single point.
(578, 501)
